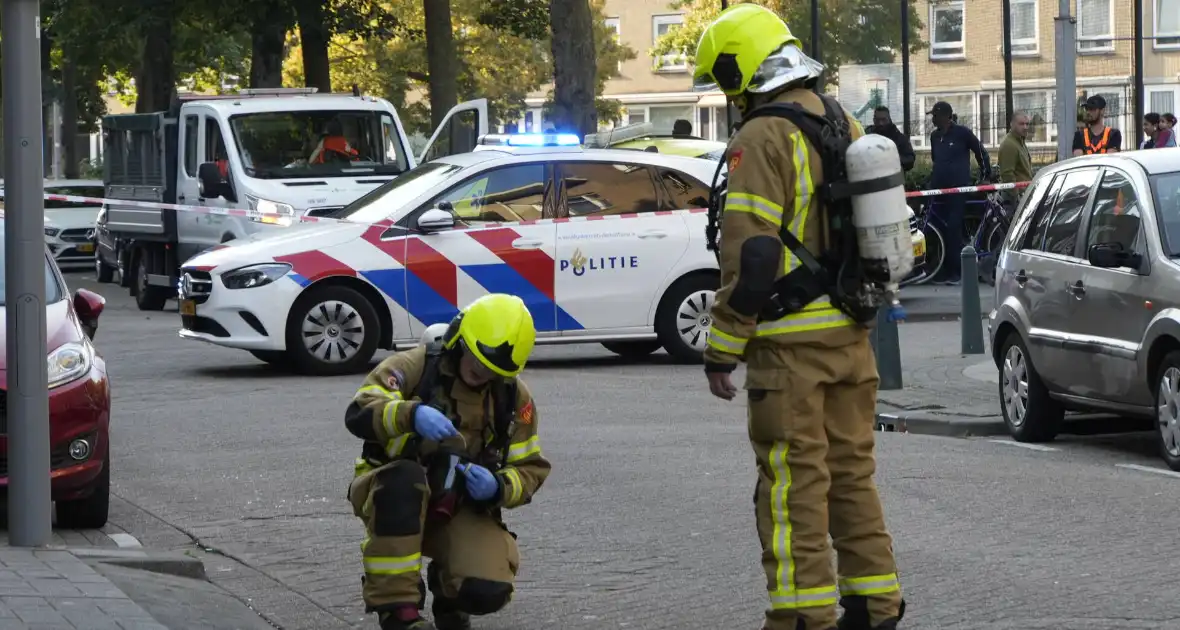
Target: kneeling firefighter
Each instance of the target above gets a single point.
(450, 439)
(813, 238)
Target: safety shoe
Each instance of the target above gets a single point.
(856, 615)
(447, 617)
(405, 618)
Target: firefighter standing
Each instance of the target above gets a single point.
(811, 375)
(453, 411)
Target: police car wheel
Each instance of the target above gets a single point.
(632, 349)
(683, 318)
(332, 330)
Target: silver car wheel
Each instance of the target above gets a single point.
(1015, 386)
(333, 331)
(1168, 412)
(693, 319)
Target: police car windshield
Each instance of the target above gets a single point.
(381, 202)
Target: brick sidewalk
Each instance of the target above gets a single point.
(55, 590)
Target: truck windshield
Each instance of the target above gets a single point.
(300, 144)
(381, 202)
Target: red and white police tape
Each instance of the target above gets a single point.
(250, 214)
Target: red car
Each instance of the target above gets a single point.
(79, 402)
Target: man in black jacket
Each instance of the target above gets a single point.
(883, 126)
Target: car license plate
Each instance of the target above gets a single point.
(920, 249)
(188, 307)
(85, 248)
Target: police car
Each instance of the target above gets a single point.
(604, 246)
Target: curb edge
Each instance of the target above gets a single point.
(927, 424)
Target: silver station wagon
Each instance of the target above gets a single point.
(1087, 290)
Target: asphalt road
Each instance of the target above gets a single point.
(646, 522)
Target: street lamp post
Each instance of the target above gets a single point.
(30, 508)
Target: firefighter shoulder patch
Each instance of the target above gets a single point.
(526, 413)
(735, 158)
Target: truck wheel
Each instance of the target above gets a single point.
(683, 319)
(104, 272)
(332, 330)
(148, 297)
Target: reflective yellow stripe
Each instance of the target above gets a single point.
(393, 565)
(513, 485)
(758, 206)
(394, 447)
(376, 390)
(805, 598)
(784, 578)
(870, 585)
(524, 450)
(819, 315)
(360, 467)
(784, 595)
(804, 187)
(725, 342)
(389, 415)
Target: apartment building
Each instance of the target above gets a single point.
(964, 64)
(651, 90)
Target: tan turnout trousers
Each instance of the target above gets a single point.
(475, 555)
(811, 422)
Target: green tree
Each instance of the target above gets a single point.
(499, 59)
(853, 31)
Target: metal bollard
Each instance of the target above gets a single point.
(887, 348)
(971, 317)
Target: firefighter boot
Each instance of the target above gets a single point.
(445, 610)
(404, 618)
(856, 615)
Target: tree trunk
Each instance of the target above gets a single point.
(314, 38)
(268, 37)
(69, 115)
(574, 64)
(155, 82)
(441, 61)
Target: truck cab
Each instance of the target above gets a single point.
(285, 152)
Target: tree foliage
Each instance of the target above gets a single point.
(498, 60)
(853, 31)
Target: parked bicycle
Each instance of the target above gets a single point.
(984, 230)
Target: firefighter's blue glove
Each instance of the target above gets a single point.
(431, 424)
(481, 483)
(896, 313)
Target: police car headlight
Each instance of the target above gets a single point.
(254, 275)
(68, 363)
(270, 209)
(51, 231)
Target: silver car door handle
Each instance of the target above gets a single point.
(653, 234)
(527, 243)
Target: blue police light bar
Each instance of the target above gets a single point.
(544, 140)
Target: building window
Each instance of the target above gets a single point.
(1037, 106)
(1095, 26)
(662, 25)
(636, 115)
(963, 106)
(1167, 24)
(1025, 27)
(615, 25)
(948, 40)
(1161, 101)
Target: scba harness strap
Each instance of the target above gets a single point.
(840, 273)
(501, 406)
